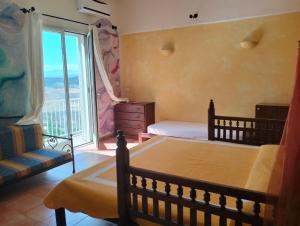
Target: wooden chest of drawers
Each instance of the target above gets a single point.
(272, 111)
(133, 118)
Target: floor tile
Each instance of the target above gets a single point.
(7, 215)
(39, 213)
(42, 190)
(16, 219)
(94, 222)
(51, 221)
(23, 203)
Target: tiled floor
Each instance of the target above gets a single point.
(21, 204)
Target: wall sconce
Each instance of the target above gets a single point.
(252, 39)
(167, 49)
(247, 44)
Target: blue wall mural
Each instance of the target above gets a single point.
(13, 75)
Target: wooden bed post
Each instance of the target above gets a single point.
(123, 180)
(211, 120)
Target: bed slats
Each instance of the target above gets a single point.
(170, 216)
(207, 215)
(167, 203)
(193, 211)
(179, 206)
(223, 219)
(155, 200)
(144, 198)
(134, 196)
(239, 207)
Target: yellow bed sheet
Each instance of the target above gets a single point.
(93, 191)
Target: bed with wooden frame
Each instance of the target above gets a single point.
(241, 130)
(252, 131)
(138, 195)
(129, 189)
(188, 186)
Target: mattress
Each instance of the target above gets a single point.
(190, 130)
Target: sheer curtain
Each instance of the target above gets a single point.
(101, 68)
(285, 181)
(33, 42)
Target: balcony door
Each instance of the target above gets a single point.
(66, 107)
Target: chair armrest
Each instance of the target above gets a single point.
(59, 143)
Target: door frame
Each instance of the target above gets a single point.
(93, 95)
(89, 80)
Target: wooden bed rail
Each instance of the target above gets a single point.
(253, 131)
(171, 200)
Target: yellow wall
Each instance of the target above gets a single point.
(209, 63)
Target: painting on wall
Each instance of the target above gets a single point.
(109, 41)
(13, 75)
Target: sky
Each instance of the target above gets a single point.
(52, 54)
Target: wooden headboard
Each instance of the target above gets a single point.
(241, 130)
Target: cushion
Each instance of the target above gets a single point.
(7, 174)
(27, 137)
(7, 145)
(15, 140)
(49, 157)
(30, 162)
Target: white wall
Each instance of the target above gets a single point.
(62, 8)
(144, 15)
(133, 16)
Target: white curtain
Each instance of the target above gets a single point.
(101, 67)
(33, 42)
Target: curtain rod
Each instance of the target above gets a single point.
(61, 18)
(32, 9)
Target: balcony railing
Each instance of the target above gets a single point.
(55, 117)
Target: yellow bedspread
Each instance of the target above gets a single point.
(93, 191)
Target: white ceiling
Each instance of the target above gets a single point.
(148, 15)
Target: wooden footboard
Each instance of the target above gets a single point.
(182, 199)
(253, 131)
